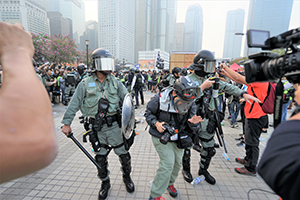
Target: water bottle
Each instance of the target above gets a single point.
(150, 183)
(225, 156)
(198, 180)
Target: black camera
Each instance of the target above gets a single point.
(266, 66)
(169, 131)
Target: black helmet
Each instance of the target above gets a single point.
(80, 69)
(184, 71)
(102, 60)
(204, 60)
(186, 89)
(176, 70)
(137, 71)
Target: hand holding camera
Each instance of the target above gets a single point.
(169, 131)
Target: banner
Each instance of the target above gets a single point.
(147, 64)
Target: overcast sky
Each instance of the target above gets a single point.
(214, 14)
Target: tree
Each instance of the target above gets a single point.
(64, 50)
(42, 43)
(58, 49)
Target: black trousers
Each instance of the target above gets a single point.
(253, 128)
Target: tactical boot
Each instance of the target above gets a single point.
(211, 180)
(125, 160)
(186, 168)
(128, 183)
(104, 189)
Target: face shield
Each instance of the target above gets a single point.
(104, 64)
(210, 66)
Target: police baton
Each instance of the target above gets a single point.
(216, 112)
(70, 135)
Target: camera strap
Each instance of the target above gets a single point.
(278, 104)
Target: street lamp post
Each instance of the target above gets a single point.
(123, 62)
(87, 52)
(242, 34)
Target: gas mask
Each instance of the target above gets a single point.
(181, 106)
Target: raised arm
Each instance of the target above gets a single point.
(28, 142)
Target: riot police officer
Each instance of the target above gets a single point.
(204, 64)
(184, 72)
(101, 93)
(70, 83)
(175, 75)
(171, 112)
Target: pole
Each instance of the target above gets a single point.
(87, 56)
(70, 135)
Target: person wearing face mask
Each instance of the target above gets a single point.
(204, 64)
(172, 117)
(98, 97)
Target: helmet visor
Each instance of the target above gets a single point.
(104, 64)
(210, 66)
(191, 93)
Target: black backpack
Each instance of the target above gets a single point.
(70, 80)
(139, 81)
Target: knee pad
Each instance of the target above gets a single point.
(102, 161)
(208, 152)
(125, 158)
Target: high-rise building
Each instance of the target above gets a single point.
(269, 15)
(144, 25)
(179, 36)
(26, 12)
(91, 34)
(58, 24)
(193, 28)
(74, 10)
(43, 3)
(116, 31)
(155, 25)
(165, 14)
(234, 24)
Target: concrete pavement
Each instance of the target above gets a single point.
(73, 176)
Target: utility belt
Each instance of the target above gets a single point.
(71, 84)
(106, 120)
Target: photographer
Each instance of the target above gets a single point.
(169, 112)
(255, 121)
(280, 164)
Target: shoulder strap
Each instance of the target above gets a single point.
(182, 126)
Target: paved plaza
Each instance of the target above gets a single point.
(73, 176)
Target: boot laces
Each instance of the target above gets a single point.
(172, 188)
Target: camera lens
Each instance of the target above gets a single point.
(165, 138)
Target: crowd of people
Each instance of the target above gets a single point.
(185, 112)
